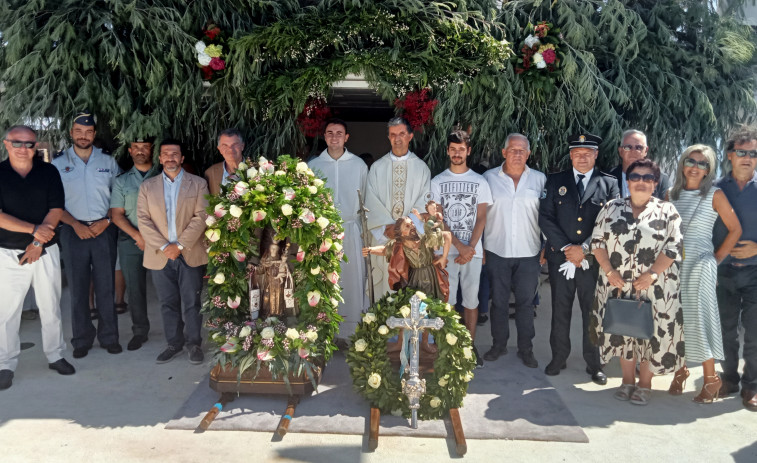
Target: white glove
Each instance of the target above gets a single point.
(585, 264)
(568, 270)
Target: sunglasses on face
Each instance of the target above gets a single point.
(647, 178)
(633, 147)
(691, 162)
(25, 144)
(743, 153)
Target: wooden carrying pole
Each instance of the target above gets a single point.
(457, 427)
(373, 430)
(287, 418)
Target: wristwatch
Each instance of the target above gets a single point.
(653, 275)
(181, 248)
(36, 243)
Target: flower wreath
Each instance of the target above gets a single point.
(294, 202)
(374, 377)
(541, 54)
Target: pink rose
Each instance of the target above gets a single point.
(549, 56)
(233, 303)
(326, 245)
(258, 215)
(307, 216)
(240, 256)
(217, 64)
(303, 352)
(300, 255)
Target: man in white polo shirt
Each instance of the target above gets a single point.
(513, 244)
(464, 196)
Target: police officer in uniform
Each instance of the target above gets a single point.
(569, 206)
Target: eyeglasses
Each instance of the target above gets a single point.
(647, 178)
(632, 147)
(21, 143)
(691, 162)
(743, 153)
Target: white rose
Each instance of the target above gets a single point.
(203, 59)
(262, 160)
(467, 352)
(421, 295)
(317, 182)
(541, 64)
(244, 332)
(323, 222)
(292, 333)
(279, 173)
(313, 190)
(531, 40)
(451, 339)
(468, 377)
(242, 166)
(442, 382)
(210, 221)
(383, 330)
(360, 345)
(337, 247)
(200, 46)
(435, 402)
(286, 209)
(301, 167)
(369, 318)
(311, 335)
(251, 172)
(267, 333)
(374, 380)
(259, 187)
(315, 270)
(219, 278)
(405, 311)
(235, 211)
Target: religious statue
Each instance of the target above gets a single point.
(412, 262)
(273, 278)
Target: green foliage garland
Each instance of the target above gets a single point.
(288, 197)
(374, 377)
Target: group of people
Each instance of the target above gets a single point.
(626, 233)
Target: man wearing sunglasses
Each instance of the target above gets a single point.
(632, 148)
(88, 240)
(737, 274)
(31, 204)
(570, 204)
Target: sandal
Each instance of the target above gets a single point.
(679, 381)
(121, 308)
(624, 392)
(710, 390)
(641, 395)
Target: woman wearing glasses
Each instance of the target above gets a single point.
(700, 204)
(637, 243)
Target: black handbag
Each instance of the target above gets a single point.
(629, 317)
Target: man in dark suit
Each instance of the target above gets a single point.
(569, 206)
(633, 146)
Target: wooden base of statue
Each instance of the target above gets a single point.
(426, 365)
(224, 380)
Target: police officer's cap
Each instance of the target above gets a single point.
(150, 140)
(584, 140)
(85, 118)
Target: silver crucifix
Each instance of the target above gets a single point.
(414, 387)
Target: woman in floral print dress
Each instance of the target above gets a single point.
(637, 242)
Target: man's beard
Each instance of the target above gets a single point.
(412, 235)
(87, 144)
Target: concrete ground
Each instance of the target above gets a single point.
(116, 406)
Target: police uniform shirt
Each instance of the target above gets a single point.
(126, 191)
(87, 185)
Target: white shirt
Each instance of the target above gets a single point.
(512, 220)
(460, 195)
(624, 193)
(587, 177)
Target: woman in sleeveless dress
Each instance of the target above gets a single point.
(700, 204)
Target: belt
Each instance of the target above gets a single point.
(90, 222)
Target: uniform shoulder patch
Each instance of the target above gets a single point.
(58, 154)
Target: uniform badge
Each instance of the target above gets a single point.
(562, 191)
(68, 169)
(582, 138)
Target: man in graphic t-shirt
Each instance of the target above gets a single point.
(464, 196)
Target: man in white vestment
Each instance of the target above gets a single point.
(345, 173)
(397, 183)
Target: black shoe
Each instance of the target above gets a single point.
(136, 342)
(113, 348)
(479, 359)
(94, 314)
(195, 355)
(728, 387)
(482, 319)
(553, 368)
(30, 315)
(6, 379)
(168, 354)
(81, 352)
(599, 377)
(62, 367)
(528, 359)
(494, 353)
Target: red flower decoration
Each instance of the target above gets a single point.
(313, 116)
(418, 108)
(217, 64)
(549, 56)
(207, 73)
(212, 31)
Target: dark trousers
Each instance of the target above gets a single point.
(583, 284)
(135, 276)
(737, 298)
(521, 276)
(93, 259)
(178, 286)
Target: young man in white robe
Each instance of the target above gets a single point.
(397, 183)
(345, 173)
